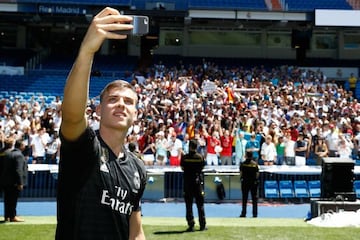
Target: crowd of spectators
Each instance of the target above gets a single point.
(283, 115)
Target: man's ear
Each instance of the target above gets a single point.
(98, 109)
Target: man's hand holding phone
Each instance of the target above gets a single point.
(140, 26)
(110, 24)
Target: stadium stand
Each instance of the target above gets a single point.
(228, 4)
(50, 85)
(167, 5)
(46, 79)
(82, 2)
(50, 74)
(15, 57)
(276, 5)
(306, 6)
(357, 90)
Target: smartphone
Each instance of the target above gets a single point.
(141, 25)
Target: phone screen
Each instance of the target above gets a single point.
(141, 25)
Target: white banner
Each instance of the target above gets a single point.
(9, 70)
(209, 87)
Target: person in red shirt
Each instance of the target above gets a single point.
(213, 147)
(142, 141)
(294, 133)
(226, 140)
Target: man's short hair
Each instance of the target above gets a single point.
(132, 147)
(9, 142)
(19, 143)
(249, 156)
(117, 84)
(193, 144)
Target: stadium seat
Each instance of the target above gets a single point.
(13, 93)
(314, 188)
(301, 189)
(357, 188)
(286, 189)
(271, 189)
(24, 94)
(4, 93)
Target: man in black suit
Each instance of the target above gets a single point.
(8, 143)
(13, 178)
(2, 156)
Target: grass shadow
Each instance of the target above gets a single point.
(170, 232)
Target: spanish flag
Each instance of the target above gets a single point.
(230, 95)
(191, 131)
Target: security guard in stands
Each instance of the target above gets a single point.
(249, 175)
(192, 164)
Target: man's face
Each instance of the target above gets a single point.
(118, 108)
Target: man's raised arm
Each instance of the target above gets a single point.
(76, 89)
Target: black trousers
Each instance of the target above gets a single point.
(50, 158)
(252, 188)
(196, 192)
(11, 195)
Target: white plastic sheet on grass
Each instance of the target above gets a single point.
(337, 219)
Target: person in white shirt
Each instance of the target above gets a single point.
(56, 104)
(57, 118)
(345, 147)
(39, 141)
(332, 141)
(161, 151)
(175, 149)
(268, 151)
(8, 123)
(289, 149)
(53, 149)
(24, 121)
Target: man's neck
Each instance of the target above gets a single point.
(115, 140)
